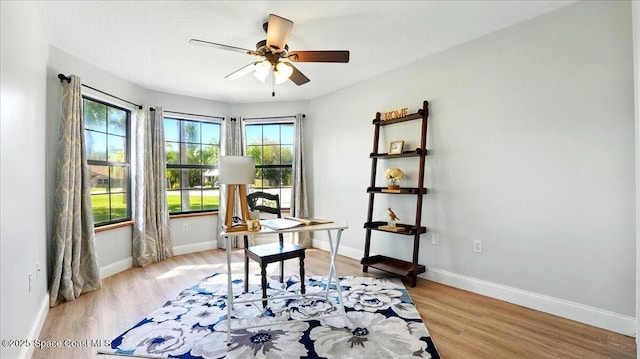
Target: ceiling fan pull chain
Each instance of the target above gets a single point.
(273, 84)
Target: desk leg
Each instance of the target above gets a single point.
(332, 252)
(229, 289)
(333, 274)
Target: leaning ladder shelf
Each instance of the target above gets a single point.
(407, 269)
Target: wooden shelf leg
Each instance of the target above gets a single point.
(412, 281)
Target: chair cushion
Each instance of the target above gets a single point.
(275, 251)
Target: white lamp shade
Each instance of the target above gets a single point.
(282, 72)
(237, 170)
(262, 70)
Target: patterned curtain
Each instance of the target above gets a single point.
(232, 147)
(151, 237)
(75, 264)
(299, 201)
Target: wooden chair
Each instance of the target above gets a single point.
(272, 252)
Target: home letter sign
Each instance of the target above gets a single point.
(396, 114)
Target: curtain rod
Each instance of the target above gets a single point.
(272, 117)
(62, 77)
(189, 114)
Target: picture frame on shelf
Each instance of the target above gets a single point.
(395, 147)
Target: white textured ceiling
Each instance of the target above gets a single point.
(146, 42)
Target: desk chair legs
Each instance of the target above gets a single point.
(302, 274)
(281, 271)
(246, 273)
(263, 275)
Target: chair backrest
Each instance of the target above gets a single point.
(270, 202)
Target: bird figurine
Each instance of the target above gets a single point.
(392, 216)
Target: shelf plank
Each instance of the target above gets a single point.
(410, 153)
(410, 117)
(393, 265)
(409, 229)
(403, 190)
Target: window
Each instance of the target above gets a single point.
(271, 144)
(106, 133)
(192, 148)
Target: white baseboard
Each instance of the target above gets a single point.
(34, 333)
(195, 247)
(124, 264)
(596, 317)
(117, 267)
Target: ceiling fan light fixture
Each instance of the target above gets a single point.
(262, 70)
(282, 72)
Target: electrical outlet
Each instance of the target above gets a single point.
(435, 239)
(477, 246)
(185, 227)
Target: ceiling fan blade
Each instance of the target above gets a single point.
(222, 47)
(241, 72)
(298, 77)
(278, 30)
(319, 56)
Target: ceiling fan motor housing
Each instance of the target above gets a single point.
(261, 47)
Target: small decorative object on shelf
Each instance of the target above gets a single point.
(391, 115)
(392, 217)
(393, 175)
(395, 147)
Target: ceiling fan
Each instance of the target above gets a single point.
(276, 54)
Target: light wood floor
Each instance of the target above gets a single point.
(462, 324)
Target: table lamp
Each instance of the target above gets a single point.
(237, 171)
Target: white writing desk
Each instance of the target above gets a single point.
(332, 277)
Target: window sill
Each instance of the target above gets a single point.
(198, 214)
(202, 214)
(109, 227)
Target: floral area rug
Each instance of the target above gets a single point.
(384, 323)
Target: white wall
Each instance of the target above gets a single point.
(269, 109)
(22, 175)
(171, 102)
(194, 234)
(532, 152)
